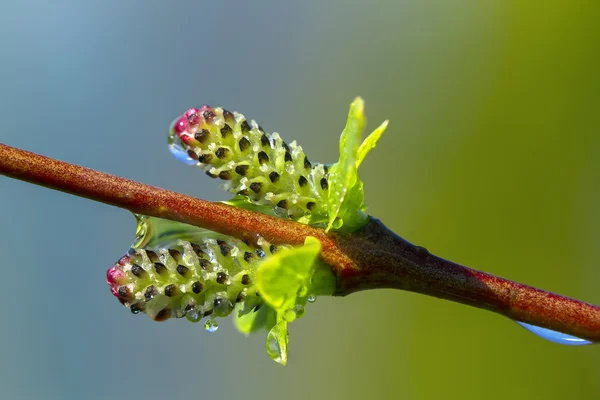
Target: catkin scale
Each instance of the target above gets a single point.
(253, 163)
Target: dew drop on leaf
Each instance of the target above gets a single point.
(181, 154)
(277, 341)
(299, 310)
(211, 325)
(311, 298)
(193, 315)
(289, 315)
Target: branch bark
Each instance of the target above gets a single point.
(371, 258)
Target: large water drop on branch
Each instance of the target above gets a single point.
(554, 336)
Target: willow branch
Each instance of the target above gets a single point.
(372, 258)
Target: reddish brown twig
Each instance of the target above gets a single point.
(372, 258)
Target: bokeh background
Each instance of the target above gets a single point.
(491, 160)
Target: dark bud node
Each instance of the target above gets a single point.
(163, 315)
(226, 130)
(137, 270)
(150, 293)
(197, 249)
(221, 277)
(205, 158)
(225, 175)
(197, 287)
(263, 158)
(170, 290)
(152, 255)
(307, 163)
(124, 291)
(175, 254)
(256, 186)
(240, 297)
(182, 270)
(136, 308)
(228, 115)
(160, 268)
(274, 176)
(192, 154)
(222, 152)
(242, 169)
(245, 127)
(208, 115)
(245, 279)
(264, 141)
(244, 144)
(224, 247)
(202, 135)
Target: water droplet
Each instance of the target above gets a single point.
(211, 325)
(277, 341)
(311, 298)
(554, 336)
(181, 154)
(193, 315)
(299, 310)
(289, 315)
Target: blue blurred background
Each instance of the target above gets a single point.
(491, 160)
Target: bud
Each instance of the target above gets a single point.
(253, 162)
(188, 280)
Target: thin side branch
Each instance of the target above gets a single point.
(369, 259)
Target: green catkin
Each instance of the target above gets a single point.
(189, 280)
(253, 163)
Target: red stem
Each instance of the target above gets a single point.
(371, 258)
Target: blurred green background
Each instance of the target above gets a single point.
(491, 160)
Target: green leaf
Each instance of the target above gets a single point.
(253, 321)
(343, 176)
(282, 275)
(370, 142)
(346, 195)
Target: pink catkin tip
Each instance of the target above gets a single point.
(193, 116)
(181, 125)
(191, 111)
(114, 276)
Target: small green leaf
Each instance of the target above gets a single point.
(253, 321)
(343, 174)
(346, 195)
(281, 276)
(370, 142)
